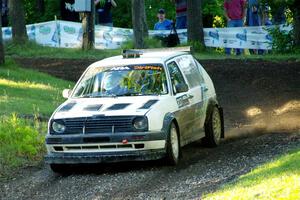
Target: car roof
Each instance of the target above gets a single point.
(156, 57)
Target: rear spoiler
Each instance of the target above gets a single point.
(136, 53)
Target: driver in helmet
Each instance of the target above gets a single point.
(111, 83)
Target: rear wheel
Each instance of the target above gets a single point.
(173, 146)
(213, 128)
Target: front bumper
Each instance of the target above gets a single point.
(102, 148)
(80, 158)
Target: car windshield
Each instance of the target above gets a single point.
(130, 80)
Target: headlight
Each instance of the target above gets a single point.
(140, 123)
(58, 127)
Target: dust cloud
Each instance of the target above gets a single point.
(283, 119)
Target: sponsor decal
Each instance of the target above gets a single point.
(69, 30)
(269, 37)
(157, 68)
(120, 68)
(7, 31)
(242, 36)
(112, 38)
(214, 35)
(183, 101)
(45, 30)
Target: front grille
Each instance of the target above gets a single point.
(99, 124)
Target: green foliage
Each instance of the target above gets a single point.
(219, 22)
(150, 43)
(20, 142)
(282, 40)
(122, 14)
(196, 46)
(32, 15)
(129, 44)
(212, 9)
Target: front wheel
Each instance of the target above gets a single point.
(173, 146)
(213, 128)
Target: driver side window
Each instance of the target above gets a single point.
(176, 77)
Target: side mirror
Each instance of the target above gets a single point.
(66, 93)
(182, 87)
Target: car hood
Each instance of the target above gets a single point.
(120, 106)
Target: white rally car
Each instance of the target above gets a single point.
(139, 106)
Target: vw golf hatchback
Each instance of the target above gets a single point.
(134, 107)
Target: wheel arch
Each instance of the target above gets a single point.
(168, 120)
(211, 104)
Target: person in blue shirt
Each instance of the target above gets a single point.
(253, 17)
(163, 23)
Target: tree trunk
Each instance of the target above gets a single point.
(140, 28)
(2, 57)
(88, 27)
(195, 22)
(17, 21)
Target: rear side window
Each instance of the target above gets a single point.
(190, 70)
(200, 68)
(176, 75)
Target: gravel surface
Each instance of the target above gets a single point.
(201, 170)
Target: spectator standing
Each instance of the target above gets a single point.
(181, 14)
(253, 18)
(103, 8)
(253, 13)
(163, 23)
(235, 11)
(266, 15)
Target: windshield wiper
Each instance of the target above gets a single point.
(86, 96)
(130, 94)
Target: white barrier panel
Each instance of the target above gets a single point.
(69, 35)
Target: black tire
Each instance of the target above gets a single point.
(173, 156)
(213, 127)
(60, 168)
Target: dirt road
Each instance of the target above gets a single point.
(262, 113)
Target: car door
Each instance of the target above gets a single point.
(196, 85)
(184, 114)
(204, 96)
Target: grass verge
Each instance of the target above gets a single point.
(279, 179)
(30, 93)
(31, 49)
